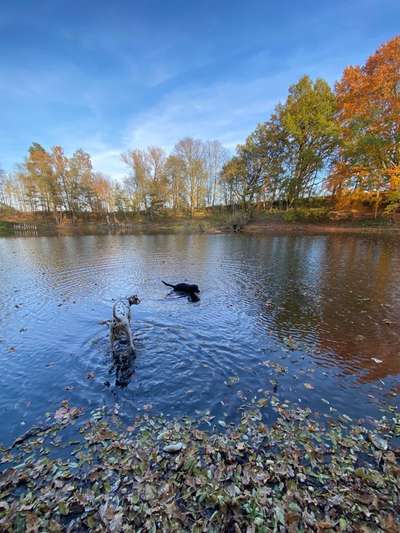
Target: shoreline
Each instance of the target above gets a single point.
(191, 226)
(299, 473)
(314, 228)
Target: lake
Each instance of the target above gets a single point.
(311, 319)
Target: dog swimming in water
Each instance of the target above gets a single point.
(185, 288)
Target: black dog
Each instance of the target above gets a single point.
(185, 288)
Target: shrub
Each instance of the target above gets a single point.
(5, 228)
(310, 215)
(393, 203)
(229, 219)
(240, 218)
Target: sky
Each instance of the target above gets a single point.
(109, 76)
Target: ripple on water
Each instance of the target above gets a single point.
(316, 306)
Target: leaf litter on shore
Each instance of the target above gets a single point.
(301, 473)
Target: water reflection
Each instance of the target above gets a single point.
(325, 308)
(338, 297)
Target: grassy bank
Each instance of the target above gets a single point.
(302, 473)
(5, 228)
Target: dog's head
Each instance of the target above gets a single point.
(133, 300)
(196, 288)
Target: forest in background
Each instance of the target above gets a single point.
(342, 144)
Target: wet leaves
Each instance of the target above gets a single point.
(66, 413)
(279, 369)
(262, 402)
(302, 473)
(232, 380)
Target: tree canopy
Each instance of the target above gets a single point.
(368, 100)
(344, 141)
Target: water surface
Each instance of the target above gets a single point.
(312, 319)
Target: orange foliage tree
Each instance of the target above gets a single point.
(368, 99)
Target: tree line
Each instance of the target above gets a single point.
(50, 182)
(344, 142)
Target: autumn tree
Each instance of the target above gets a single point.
(102, 189)
(191, 154)
(41, 181)
(307, 121)
(121, 199)
(215, 155)
(285, 157)
(81, 161)
(157, 183)
(137, 180)
(368, 99)
(60, 165)
(147, 179)
(268, 145)
(3, 198)
(175, 176)
(11, 194)
(244, 176)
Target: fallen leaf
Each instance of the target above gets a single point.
(262, 402)
(66, 413)
(232, 380)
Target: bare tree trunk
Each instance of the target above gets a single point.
(377, 205)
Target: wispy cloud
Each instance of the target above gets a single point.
(108, 80)
(227, 111)
(109, 162)
(224, 110)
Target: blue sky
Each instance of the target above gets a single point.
(107, 76)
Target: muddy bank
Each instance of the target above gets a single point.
(95, 228)
(186, 226)
(284, 227)
(208, 226)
